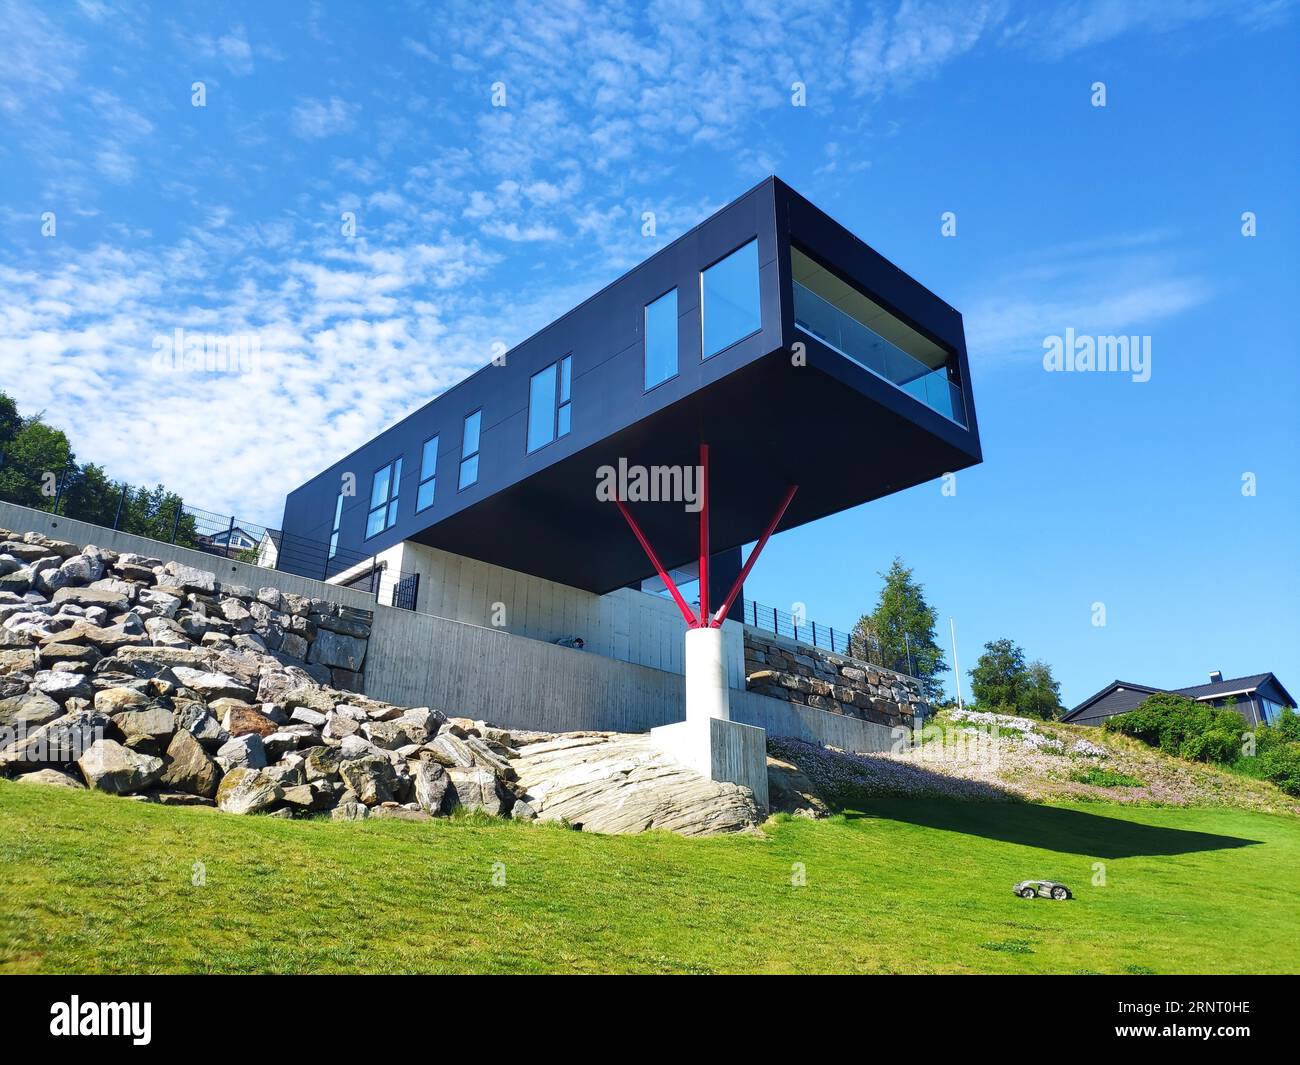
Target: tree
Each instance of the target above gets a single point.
(999, 676)
(1042, 692)
(10, 421)
(902, 625)
(88, 495)
(1002, 681)
(35, 459)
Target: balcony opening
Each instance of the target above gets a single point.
(845, 318)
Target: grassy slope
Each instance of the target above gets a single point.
(94, 883)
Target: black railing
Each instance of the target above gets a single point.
(254, 544)
(838, 641)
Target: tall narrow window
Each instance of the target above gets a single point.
(338, 520)
(383, 498)
(563, 414)
(661, 339)
(549, 404)
(469, 449)
(428, 475)
(729, 305)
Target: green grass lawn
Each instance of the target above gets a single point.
(90, 883)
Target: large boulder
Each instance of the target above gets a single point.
(337, 649)
(196, 719)
(26, 712)
(247, 791)
(112, 599)
(213, 685)
(371, 777)
(477, 788)
(188, 767)
(431, 787)
(56, 777)
(151, 726)
(242, 752)
(188, 578)
(322, 763)
(62, 686)
(18, 660)
(117, 700)
(109, 766)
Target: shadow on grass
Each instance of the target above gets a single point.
(1046, 827)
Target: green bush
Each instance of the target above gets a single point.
(1183, 727)
(1104, 778)
(1188, 729)
(1281, 765)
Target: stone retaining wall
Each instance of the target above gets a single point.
(812, 676)
(170, 604)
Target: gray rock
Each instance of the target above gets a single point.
(26, 712)
(271, 597)
(247, 791)
(82, 569)
(62, 686)
(322, 763)
(242, 752)
(307, 716)
(152, 725)
(293, 645)
(118, 699)
(188, 768)
(371, 777)
(476, 788)
(349, 810)
(431, 787)
(114, 600)
(196, 719)
(51, 776)
(108, 766)
(336, 649)
(190, 578)
(213, 685)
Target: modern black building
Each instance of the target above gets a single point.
(769, 332)
(1259, 699)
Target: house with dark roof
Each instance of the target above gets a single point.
(1259, 699)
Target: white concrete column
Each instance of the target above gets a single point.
(706, 676)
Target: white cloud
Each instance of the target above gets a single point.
(1129, 284)
(313, 119)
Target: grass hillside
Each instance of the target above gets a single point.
(1051, 761)
(94, 883)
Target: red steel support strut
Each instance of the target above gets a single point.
(691, 620)
(720, 616)
(704, 533)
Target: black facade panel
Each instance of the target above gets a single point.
(842, 434)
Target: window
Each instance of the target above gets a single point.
(661, 339)
(729, 308)
(469, 449)
(383, 498)
(548, 403)
(338, 520)
(428, 475)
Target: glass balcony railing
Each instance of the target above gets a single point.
(867, 348)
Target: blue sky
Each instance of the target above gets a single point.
(477, 225)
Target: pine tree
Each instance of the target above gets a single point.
(903, 627)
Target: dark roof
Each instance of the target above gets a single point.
(1224, 687)
(1114, 685)
(1215, 689)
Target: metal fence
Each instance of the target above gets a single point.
(800, 629)
(230, 537)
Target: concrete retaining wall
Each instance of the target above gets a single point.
(417, 659)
